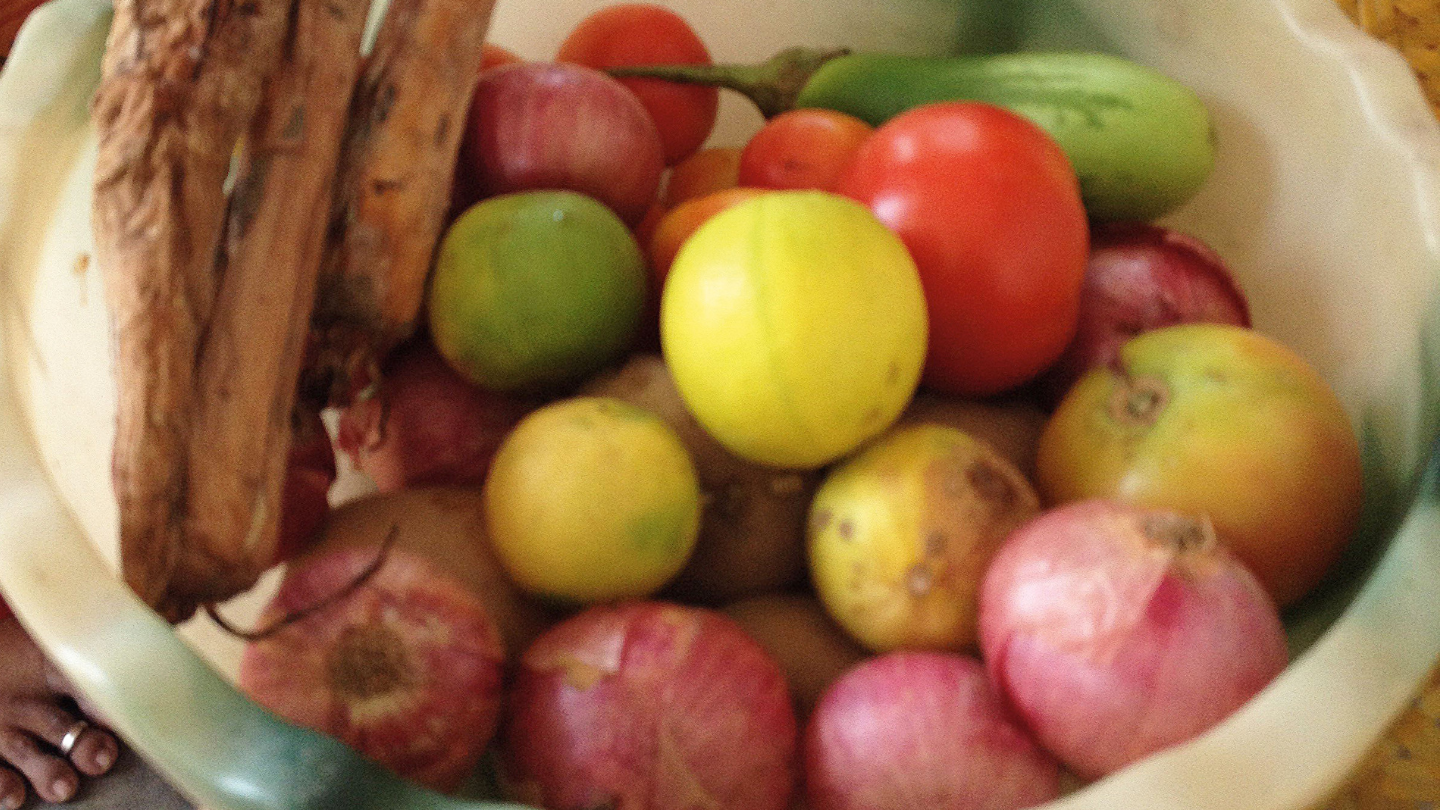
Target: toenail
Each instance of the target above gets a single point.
(62, 788)
(13, 802)
(105, 758)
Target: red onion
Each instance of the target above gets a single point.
(1117, 631)
(542, 125)
(426, 425)
(1141, 277)
(921, 730)
(407, 669)
(650, 706)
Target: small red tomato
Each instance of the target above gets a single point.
(805, 148)
(646, 34)
(990, 209)
(310, 471)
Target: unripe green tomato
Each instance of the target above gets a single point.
(1223, 422)
(535, 289)
(794, 324)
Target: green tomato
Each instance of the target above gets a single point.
(536, 289)
(794, 325)
(1223, 422)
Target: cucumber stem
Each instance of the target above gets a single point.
(773, 85)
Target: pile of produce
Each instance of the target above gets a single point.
(897, 457)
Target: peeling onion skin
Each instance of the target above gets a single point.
(426, 425)
(915, 729)
(407, 670)
(649, 706)
(1116, 632)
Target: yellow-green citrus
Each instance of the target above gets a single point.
(795, 326)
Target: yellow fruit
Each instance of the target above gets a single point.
(591, 499)
(901, 535)
(795, 327)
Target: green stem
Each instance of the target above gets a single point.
(773, 85)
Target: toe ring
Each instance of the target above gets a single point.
(72, 736)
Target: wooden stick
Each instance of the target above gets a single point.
(396, 178)
(181, 80)
(212, 294)
(251, 357)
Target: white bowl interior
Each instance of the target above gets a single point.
(1325, 200)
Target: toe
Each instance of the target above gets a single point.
(93, 752)
(12, 789)
(53, 778)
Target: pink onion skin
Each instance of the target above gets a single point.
(545, 125)
(1111, 644)
(650, 706)
(426, 425)
(1141, 277)
(407, 670)
(916, 729)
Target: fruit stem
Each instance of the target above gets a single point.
(292, 617)
(773, 85)
(1182, 533)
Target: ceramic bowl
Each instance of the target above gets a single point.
(1325, 200)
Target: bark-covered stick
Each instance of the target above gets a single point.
(395, 184)
(253, 350)
(181, 80)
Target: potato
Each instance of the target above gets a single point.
(1012, 425)
(752, 531)
(447, 526)
(795, 629)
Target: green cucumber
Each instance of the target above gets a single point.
(1141, 143)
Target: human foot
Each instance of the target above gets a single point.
(46, 743)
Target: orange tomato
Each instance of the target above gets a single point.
(805, 148)
(681, 221)
(708, 170)
(1221, 421)
(492, 55)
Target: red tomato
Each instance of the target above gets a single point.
(645, 34)
(990, 209)
(806, 148)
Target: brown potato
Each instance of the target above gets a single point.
(752, 531)
(1012, 426)
(810, 647)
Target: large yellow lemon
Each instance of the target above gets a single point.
(794, 324)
